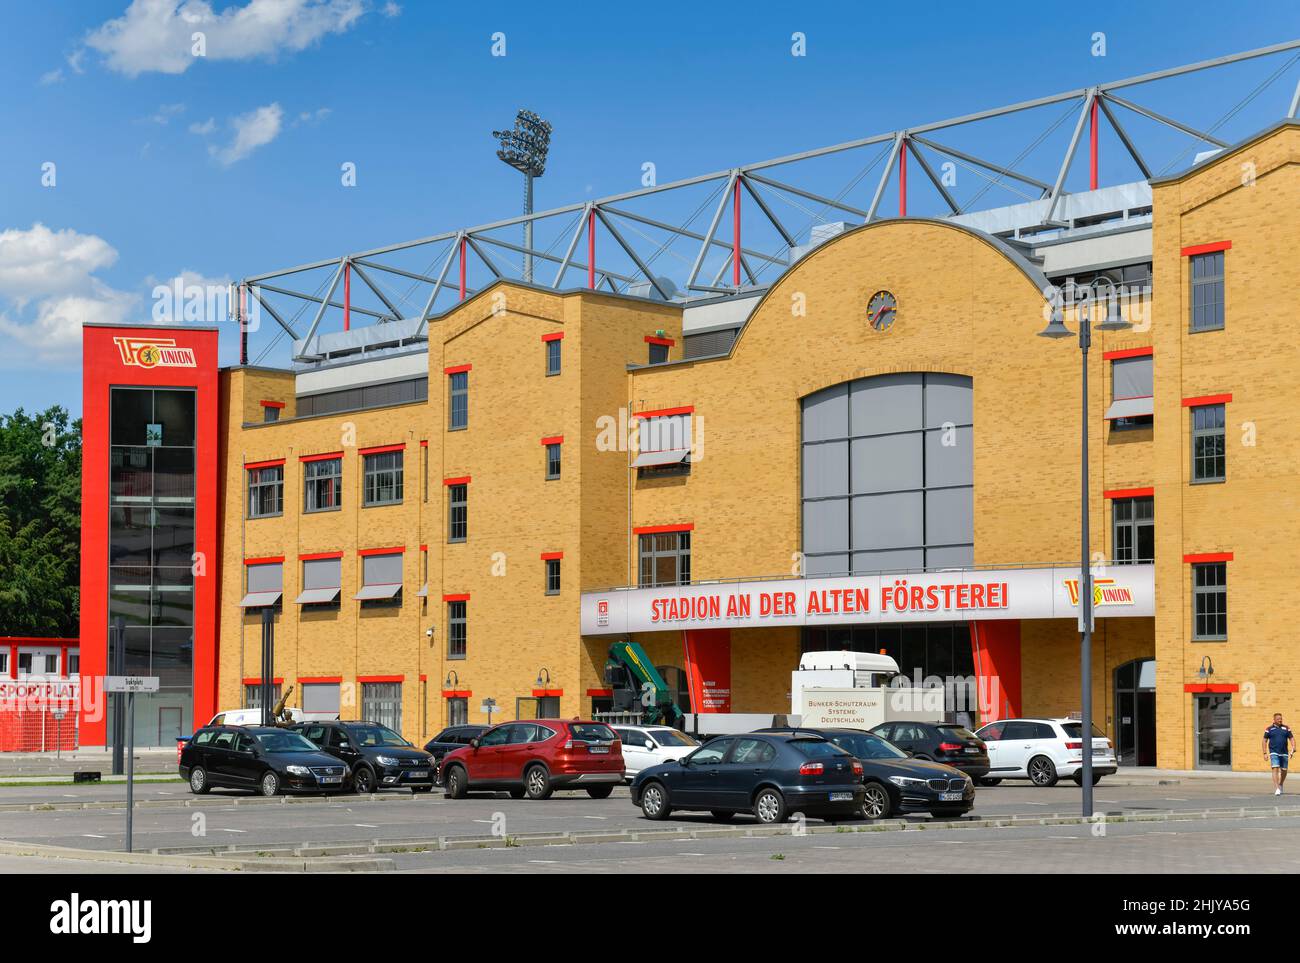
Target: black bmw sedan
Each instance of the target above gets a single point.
(267, 760)
(770, 775)
(895, 783)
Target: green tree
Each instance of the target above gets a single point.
(40, 523)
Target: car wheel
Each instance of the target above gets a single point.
(537, 782)
(654, 801)
(198, 781)
(876, 801)
(769, 807)
(1078, 778)
(363, 780)
(456, 782)
(985, 781)
(270, 784)
(1042, 772)
(599, 792)
(723, 815)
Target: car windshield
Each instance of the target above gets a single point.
(376, 736)
(284, 742)
(955, 732)
(1075, 730)
(817, 748)
(672, 738)
(866, 746)
(592, 732)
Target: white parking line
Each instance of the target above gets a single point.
(545, 862)
(93, 836)
(366, 825)
(1175, 799)
(595, 817)
(222, 829)
(692, 854)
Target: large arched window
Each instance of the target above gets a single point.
(888, 472)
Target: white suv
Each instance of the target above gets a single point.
(646, 746)
(1043, 751)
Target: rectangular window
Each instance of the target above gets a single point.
(1213, 731)
(552, 576)
(264, 581)
(266, 491)
(664, 445)
(381, 579)
(1209, 444)
(321, 581)
(658, 353)
(665, 559)
(458, 410)
(320, 697)
(4, 663)
(381, 702)
(383, 476)
(424, 468)
(457, 513)
(1210, 601)
(74, 664)
(1131, 390)
(322, 485)
(1207, 291)
(1134, 530)
(253, 695)
(25, 660)
(553, 357)
(270, 413)
(457, 711)
(456, 630)
(552, 461)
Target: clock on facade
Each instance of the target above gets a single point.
(882, 310)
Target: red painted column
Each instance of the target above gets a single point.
(995, 650)
(708, 669)
(462, 268)
(347, 296)
(591, 249)
(1092, 147)
(902, 179)
(13, 661)
(735, 236)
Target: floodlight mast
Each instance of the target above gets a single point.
(524, 148)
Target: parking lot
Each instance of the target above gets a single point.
(169, 819)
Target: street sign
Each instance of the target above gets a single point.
(489, 706)
(131, 683)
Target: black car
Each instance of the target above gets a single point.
(377, 756)
(453, 737)
(945, 742)
(768, 774)
(894, 783)
(261, 759)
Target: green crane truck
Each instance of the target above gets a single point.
(639, 688)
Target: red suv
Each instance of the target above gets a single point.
(536, 757)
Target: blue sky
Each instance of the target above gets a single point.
(226, 165)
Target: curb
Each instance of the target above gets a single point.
(192, 803)
(285, 863)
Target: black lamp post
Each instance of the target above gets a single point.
(1056, 329)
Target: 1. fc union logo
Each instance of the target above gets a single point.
(154, 353)
(1104, 592)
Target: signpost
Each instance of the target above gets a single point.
(129, 685)
(489, 706)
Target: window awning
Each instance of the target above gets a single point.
(1130, 408)
(384, 590)
(652, 459)
(257, 600)
(317, 595)
(424, 590)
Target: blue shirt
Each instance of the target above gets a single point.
(1277, 737)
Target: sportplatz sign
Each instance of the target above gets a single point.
(1120, 591)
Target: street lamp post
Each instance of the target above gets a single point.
(524, 148)
(1056, 329)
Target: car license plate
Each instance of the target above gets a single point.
(1098, 752)
(599, 750)
(841, 797)
(971, 749)
(417, 775)
(950, 797)
(331, 778)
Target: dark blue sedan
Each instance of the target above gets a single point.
(770, 775)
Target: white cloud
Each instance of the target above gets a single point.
(39, 262)
(391, 9)
(313, 116)
(51, 76)
(158, 35)
(165, 113)
(255, 129)
(205, 128)
(56, 271)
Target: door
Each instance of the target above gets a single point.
(992, 736)
(519, 749)
(219, 759)
(485, 761)
(1135, 713)
(1214, 731)
(1018, 743)
(698, 780)
(637, 750)
(246, 768)
(910, 738)
(341, 744)
(748, 762)
(169, 725)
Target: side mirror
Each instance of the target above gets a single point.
(684, 761)
(649, 744)
(910, 753)
(474, 743)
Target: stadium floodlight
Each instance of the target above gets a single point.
(524, 148)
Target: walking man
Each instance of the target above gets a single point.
(1279, 745)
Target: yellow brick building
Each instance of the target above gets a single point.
(883, 407)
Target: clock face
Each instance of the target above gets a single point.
(882, 310)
